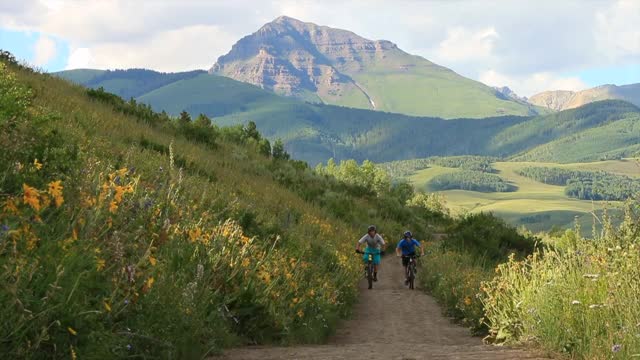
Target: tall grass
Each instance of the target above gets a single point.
(579, 296)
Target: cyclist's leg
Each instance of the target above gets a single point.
(376, 263)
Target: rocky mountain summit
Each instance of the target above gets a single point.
(334, 66)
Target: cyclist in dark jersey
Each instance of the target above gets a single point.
(406, 248)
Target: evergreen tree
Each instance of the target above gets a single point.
(184, 119)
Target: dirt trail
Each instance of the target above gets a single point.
(384, 327)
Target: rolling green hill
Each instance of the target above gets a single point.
(315, 132)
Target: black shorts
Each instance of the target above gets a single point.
(405, 259)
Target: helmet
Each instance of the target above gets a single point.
(372, 228)
(407, 233)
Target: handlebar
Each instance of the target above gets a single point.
(362, 252)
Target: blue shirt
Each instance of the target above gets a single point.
(408, 246)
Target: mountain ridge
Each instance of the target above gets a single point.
(565, 99)
(334, 66)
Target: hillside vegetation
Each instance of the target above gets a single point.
(315, 132)
(128, 233)
(535, 205)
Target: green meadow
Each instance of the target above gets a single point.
(535, 205)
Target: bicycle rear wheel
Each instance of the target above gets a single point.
(412, 276)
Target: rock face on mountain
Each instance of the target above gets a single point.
(334, 66)
(506, 91)
(563, 100)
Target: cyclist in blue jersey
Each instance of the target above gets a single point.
(407, 248)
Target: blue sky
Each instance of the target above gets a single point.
(528, 46)
(618, 75)
(23, 46)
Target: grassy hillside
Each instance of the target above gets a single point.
(124, 233)
(130, 83)
(543, 129)
(315, 132)
(411, 85)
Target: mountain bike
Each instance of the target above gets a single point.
(369, 267)
(411, 270)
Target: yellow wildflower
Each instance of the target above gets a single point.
(31, 197)
(149, 283)
(107, 306)
(300, 313)
(37, 164)
(10, 206)
(73, 353)
(100, 264)
(72, 331)
(195, 234)
(113, 207)
(119, 191)
(312, 293)
(152, 260)
(245, 262)
(467, 301)
(55, 190)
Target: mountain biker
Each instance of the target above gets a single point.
(407, 248)
(375, 245)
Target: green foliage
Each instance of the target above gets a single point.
(14, 99)
(366, 177)
(578, 297)
(454, 279)
(316, 132)
(473, 163)
(471, 180)
(586, 185)
(455, 267)
(125, 237)
(432, 202)
(486, 235)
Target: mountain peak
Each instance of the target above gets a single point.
(335, 66)
(286, 19)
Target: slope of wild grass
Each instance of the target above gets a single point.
(578, 296)
(137, 236)
(568, 295)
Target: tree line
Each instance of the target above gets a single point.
(472, 181)
(586, 185)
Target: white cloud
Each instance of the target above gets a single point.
(617, 32)
(79, 58)
(519, 39)
(463, 44)
(44, 50)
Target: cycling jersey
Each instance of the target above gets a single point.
(408, 247)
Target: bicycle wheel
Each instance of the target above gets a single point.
(412, 276)
(370, 274)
